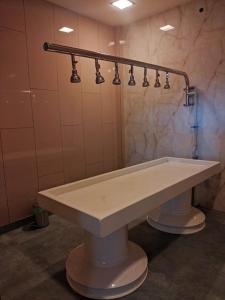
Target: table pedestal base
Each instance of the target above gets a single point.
(178, 216)
(106, 268)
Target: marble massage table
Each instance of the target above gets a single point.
(107, 265)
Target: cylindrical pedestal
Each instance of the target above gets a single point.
(106, 268)
(178, 216)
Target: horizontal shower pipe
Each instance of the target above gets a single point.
(121, 60)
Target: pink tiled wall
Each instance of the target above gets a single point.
(51, 131)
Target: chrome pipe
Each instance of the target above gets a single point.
(116, 59)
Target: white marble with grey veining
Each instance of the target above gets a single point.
(156, 123)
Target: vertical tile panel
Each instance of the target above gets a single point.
(4, 214)
(119, 130)
(88, 39)
(14, 67)
(39, 28)
(88, 75)
(49, 181)
(106, 37)
(12, 14)
(65, 18)
(107, 71)
(108, 98)
(20, 171)
(69, 93)
(88, 34)
(93, 128)
(73, 153)
(70, 106)
(47, 132)
(94, 169)
(15, 109)
(109, 147)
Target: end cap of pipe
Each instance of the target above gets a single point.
(46, 46)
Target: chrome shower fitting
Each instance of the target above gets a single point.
(145, 80)
(99, 78)
(75, 78)
(157, 82)
(132, 81)
(66, 50)
(190, 95)
(167, 84)
(116, 79)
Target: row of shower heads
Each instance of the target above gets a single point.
(75, 78)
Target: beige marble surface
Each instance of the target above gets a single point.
(156, 123)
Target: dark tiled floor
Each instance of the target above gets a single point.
(180, 268)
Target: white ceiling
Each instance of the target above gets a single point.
(103, 11)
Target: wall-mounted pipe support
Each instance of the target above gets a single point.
(121, 60)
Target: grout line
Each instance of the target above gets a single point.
(15, 128)
(40, 89)
(12, 29)
(31, 102)
(82, 106)
(49, 174)
(4, 177)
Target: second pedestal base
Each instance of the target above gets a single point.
(178, 216)
(188, 224)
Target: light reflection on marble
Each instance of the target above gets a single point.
(155, 120)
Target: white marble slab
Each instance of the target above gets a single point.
(105, 203)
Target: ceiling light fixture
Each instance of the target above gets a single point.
(166, 28)
(121, 4)
(66, 29)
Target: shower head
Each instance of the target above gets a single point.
(132, 81)
(145, 80)
(99, 78)
(167, 84)
(157, 82)
(75, 78)
(116, 79)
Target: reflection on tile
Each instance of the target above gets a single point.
(15, 109)
(20, 171)
(42, 65)
(94, 169)
(106, 39)
(47, 132)
(14, 67)
(92, 128)
(107, 71)
(12, 15)
(88, 34)
(73, 153)
(65, 18)
(49, 181)
(4, 215)
(110, 152)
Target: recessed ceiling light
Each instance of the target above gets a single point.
(121, 4)
(66, 29)
(166, 28)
